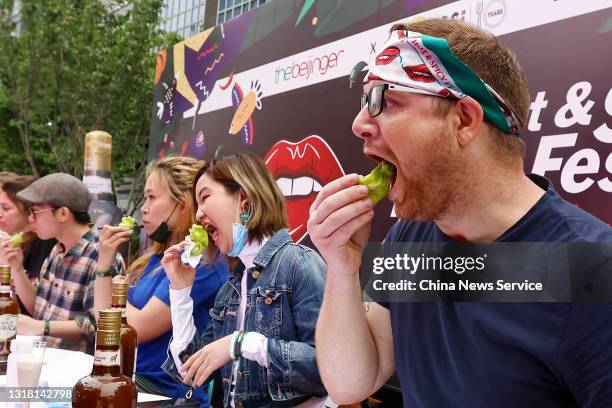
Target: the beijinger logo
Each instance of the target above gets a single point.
(307, 68)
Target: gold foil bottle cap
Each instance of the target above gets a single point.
(109, 320)
(120, 288)
(98, 147)
(5, 274)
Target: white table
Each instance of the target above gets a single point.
(63, 368)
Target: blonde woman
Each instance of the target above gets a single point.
(167, 214)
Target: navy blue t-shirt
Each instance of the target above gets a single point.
(155, 282)
(507, 354)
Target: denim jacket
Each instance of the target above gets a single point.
(285, 291)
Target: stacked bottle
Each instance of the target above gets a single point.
(129, 339)
(106, 387)
(9, 309)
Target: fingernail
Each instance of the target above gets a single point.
(363, 189)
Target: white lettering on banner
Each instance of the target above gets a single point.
(276, 78)
(543, 161)
(574, 112)
(572, 168)
(605, 183)
(536, 107)
(604, 133)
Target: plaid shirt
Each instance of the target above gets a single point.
(66, 289)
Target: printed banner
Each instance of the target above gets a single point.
(284, 81)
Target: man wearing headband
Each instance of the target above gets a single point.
(444, 103)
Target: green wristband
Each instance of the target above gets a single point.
(105, 273)
(47, 327)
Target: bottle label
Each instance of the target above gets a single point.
(107, 358)
(8, 327)
(5, 288)
(108, 338)
(98, 185)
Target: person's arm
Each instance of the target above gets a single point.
(185, 337)
(23, 286)
(354, 349)
(110, 240)
(175, 360)
(86, 320)
(354, 345)
(183, 327)
(66, 329)
(151, 321)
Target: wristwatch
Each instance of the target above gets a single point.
(47, 327)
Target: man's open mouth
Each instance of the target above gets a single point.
(379, 159)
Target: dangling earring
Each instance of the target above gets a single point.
(244, 217)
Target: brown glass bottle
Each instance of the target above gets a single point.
(129, 338)
(9, 309)
(106, 387)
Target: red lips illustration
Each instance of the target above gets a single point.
(301, 170)
(387, 56)
(444, 92)
(419, 73)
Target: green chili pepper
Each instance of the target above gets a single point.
(17, 239)
(128, 222)
(378, 181)
(199, 236)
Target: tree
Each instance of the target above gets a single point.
(77, 66)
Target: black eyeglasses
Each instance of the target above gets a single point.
(374, 99)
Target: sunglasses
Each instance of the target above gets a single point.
(374, 99)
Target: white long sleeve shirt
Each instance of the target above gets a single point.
(254, 345)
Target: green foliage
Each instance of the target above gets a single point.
(77, 66)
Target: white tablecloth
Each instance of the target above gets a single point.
(63, 368)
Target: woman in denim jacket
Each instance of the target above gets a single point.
(262, 332)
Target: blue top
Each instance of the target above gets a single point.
(154, 282)
(507, 354)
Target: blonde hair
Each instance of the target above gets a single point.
(176, 174)
(248, 173)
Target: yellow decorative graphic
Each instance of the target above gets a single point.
(182, 85)
(195, 43)
(246, 108)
